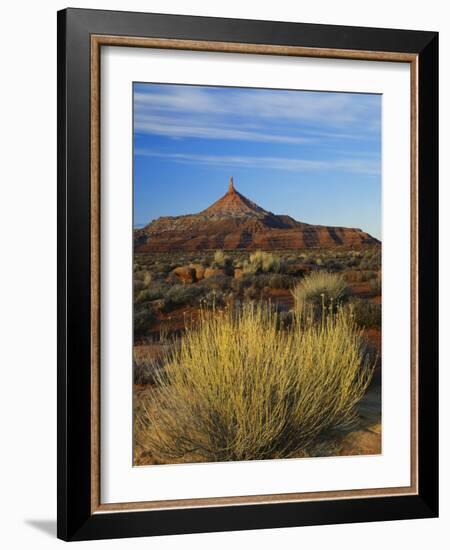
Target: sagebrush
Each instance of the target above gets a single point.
(240, 387)
(263, 262)
(319, 288)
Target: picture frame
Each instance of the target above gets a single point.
(81, 36)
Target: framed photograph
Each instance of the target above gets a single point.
(247, 260)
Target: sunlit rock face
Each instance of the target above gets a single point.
(235, 222)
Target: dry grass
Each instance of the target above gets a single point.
(219, 258)
(240, 388)
(262, 262)
(318, 288)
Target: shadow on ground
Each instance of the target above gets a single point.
(47, 526)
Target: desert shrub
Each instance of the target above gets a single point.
(279, 280)
(375, 286)
(163, 268)
(351, 262)
(371, 259)
(267, 280)
(263, 262)
(138, 274)
(155, 292)
(359, 276)
(308, 258)
(366, 314)
(222, 262)
(138, 285)
(219, 258)
(214, 299)
(147, 279)
(179, 295)
(354, 259)
(259, 282)
(142, 275)
(247, 280)
(143, 318)
(319, 288)
(251, 292)
(144, 367)
(239, 388)
(332, 264)
(216, 282)
(249, 268)
(228, 266)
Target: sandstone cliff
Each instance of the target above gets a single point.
(235, 222)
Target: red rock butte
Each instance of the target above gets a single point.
(234, 222)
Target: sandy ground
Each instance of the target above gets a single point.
(364, 440)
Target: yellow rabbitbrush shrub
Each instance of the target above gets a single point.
(241, 388)
(319, 288)
(263, 262)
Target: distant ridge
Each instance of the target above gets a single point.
(235, 222)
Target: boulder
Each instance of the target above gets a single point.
(199, 271)
(211, 271)
(183, 274)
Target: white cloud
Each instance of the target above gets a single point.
(256, 115)
(359, 166)
(180, 129)
(329, 108)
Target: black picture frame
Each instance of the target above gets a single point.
(75, 518)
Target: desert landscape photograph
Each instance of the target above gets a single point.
(257, 274)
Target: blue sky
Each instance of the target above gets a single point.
(313, 155)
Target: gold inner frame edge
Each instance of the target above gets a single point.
(97, 41)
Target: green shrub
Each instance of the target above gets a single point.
(366, 314)
(247, 280)
(239, 388)
(333, 265)
(179, 295)
(143, 319)
(259, 282)
(155, 292)
(279, 280)
(147, 278)
(276, 280)
(318, 289)
(219, 258)
(223, 262)
(263, 262)
(216, 282)
(144, 276)
(138, 285)
(214, 298)
(163, 267)
(371, 259)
